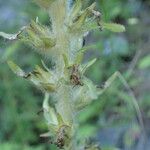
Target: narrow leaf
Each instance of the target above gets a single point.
(87, 65)
(44, 65)
(12, 36)
(85, 48)
(91, 88)
(145, 62)
(79, 57)
(114, 27)
(76, 8)
(65, 60)
(47, 134)
(9, 36)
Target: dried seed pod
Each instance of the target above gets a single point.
(61, 137)
(75, 76)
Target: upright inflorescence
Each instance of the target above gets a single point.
(66, 84)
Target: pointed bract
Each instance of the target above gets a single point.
(114, 27)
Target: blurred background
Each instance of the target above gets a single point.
(111, 120)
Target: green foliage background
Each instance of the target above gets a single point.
(20, 125)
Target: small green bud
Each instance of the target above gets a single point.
(38, 77)
(76, 9)
(47, 42)
(81, 19)
(39, 37)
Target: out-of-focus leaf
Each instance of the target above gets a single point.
(10, 50)
(86, 131)
(118, 45)
(110, 148)
(16, 69)
(114, 27)
(14, 146)
(133, 21)
(145, 62)
(132, 135)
